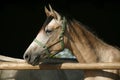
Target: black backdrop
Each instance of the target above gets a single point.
(21, 21)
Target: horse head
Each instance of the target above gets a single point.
(50, 40)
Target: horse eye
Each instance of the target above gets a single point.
(48, 31)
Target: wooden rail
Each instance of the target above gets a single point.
(8, 63)
(23, 65)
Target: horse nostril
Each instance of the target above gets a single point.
(27, 57)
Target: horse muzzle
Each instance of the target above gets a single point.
(34, 58)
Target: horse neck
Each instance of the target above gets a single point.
(84, 45)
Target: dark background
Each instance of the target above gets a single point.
(20, 21)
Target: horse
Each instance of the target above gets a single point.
(59, 32)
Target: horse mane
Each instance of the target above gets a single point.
(88, 43)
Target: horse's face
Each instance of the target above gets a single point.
(48, 37)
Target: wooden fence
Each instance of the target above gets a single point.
(21, 65)
(7, 63)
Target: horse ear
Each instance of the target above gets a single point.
(54, 13)
(47, 12)
(51, 10)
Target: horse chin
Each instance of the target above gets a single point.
(41, 58)
(35, 61)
